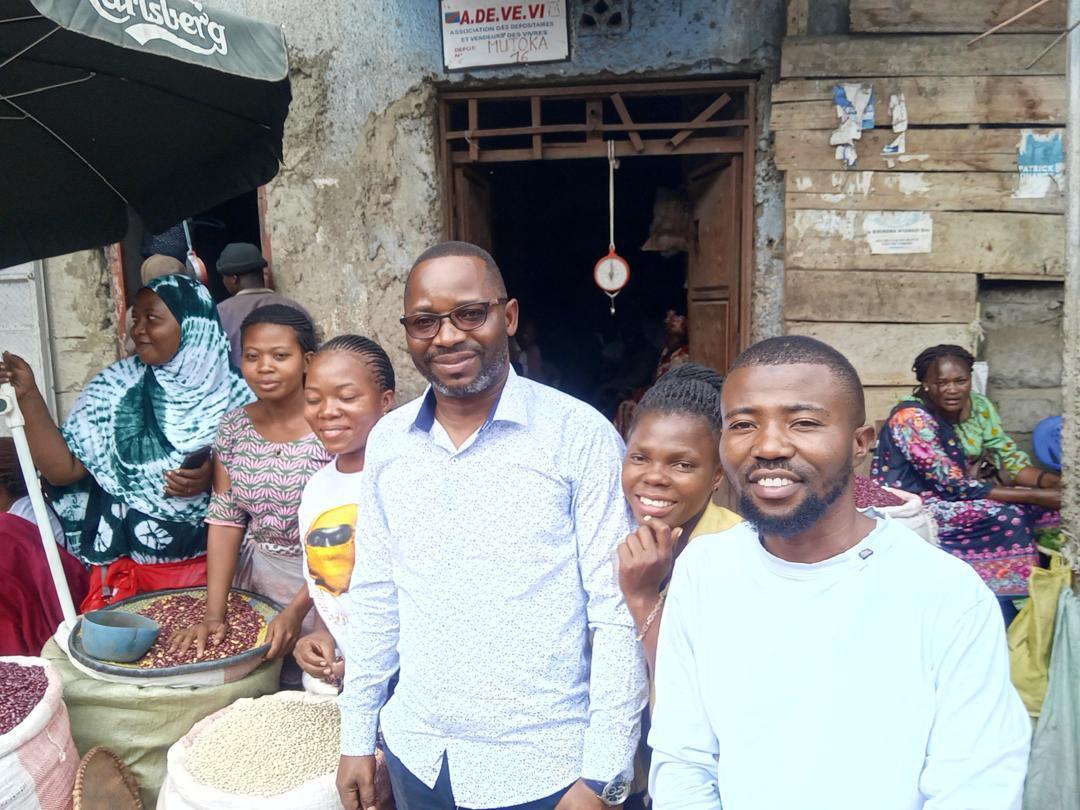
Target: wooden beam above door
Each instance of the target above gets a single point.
(670, 118)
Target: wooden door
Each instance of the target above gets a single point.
(472, 207)
(714, 264)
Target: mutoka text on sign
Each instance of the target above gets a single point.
(478, 33)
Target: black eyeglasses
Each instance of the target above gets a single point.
(467, 317)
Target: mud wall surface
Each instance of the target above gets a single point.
(82, 326)
(359, 197)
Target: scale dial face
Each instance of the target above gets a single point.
(611, 273)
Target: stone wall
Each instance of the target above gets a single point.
(358, 197)
(81, 321)
(345, 227)
(1023, 347)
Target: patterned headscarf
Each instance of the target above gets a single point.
(133, 422)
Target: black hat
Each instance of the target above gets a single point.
(240, 258)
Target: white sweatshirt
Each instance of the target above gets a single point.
(875, 680)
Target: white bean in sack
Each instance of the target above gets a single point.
(268, 747)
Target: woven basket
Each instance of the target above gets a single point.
(104, 782)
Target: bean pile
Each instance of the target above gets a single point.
(868, 493)
(175, 613)
(21, 689)
(268, 746)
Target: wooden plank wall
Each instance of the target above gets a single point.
(967, 107)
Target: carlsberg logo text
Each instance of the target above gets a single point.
(146, 20)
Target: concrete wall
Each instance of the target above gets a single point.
(1023, 323)
(358, 198)
(81, 322)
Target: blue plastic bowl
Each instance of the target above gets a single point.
(112, 635)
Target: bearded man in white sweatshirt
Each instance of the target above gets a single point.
(814, 657)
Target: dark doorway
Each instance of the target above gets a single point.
(235, 220)
(548, 250)
(526, 176)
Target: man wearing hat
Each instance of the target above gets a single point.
(241, 268)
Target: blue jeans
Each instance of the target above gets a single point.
(1008, 609)
(412, 794)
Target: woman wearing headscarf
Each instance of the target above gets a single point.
(129, 509)
(155, 266)
(946, 443)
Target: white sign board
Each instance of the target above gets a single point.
(479, 33)
(899, 231)
(24, 327)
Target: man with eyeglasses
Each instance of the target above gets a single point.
(484, 570)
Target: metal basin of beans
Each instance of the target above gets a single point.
(21, 689)
(177, 612)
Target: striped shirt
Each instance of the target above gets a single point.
(267, 480)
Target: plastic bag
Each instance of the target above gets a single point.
(38, 761)
(1053, 779)
(139, 722)
(910, 514)
(314, 686)
(1032, 631)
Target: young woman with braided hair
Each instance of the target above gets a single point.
(264, 454)
(670, 474)
(349, 387)
(945, 443)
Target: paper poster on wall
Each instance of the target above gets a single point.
(482, 33)
(899, 231)
(1040, 161)
(854, 104)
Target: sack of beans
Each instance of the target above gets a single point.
(140, 722)
(277, 752)
(38, 760)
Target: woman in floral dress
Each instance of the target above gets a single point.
(946, 444)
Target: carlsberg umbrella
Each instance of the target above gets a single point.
(167, 107)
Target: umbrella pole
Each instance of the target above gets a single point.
(9, 409)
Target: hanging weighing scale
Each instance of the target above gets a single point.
(612, 272)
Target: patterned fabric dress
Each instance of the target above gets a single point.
(132, 423)
(267, 480)
(920, 453)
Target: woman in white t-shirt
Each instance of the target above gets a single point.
(349, 387)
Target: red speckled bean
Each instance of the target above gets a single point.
(21, 689)
(868, 493)
(175, 613)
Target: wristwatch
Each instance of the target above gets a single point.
(611, 793)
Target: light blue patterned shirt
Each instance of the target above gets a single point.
(482, 571)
